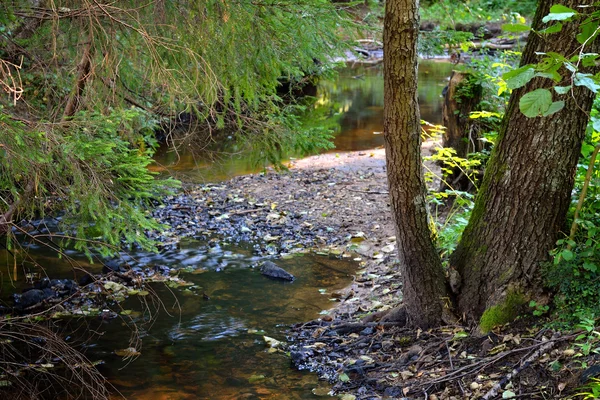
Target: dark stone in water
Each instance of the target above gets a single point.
(271, 270)
(33, 297)
(45, 289)
(86, 280)
(112, 266)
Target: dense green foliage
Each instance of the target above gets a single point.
(449, 13)
(89, 82)
(575, 272)
(87, 171)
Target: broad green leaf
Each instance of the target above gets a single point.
(515, 28)
(559, 9)
(562, 89)
(588, 31)
(554, 108)
(518, 77)
(343, 377)
(588, 266)
(535, 103)
(586, 80)
(552, 28)
(595, 123)
(554, 75)
(567, 255)
(588, 59)
(559, 13)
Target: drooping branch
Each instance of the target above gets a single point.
(6, 218)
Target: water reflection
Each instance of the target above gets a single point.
(213, 349)
(196, 348)
(352, 105)
(357, 95)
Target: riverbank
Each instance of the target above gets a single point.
(337, 204)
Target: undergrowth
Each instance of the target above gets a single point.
(448, 13)
(574, 273)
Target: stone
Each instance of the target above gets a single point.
(271, 270)
(32, 297)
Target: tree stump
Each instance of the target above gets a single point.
(461, 97)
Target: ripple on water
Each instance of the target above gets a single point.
(209, 327)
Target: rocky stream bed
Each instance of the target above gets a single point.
(337, 204)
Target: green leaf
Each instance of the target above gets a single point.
(588, 59)
(567, 255)
(343, 377)
(555, 76)
(554, 108)
(559, 13)
(586, 80)
(595, 123)
(590, 267)
(518, 77)
(516, 28)
(562, 89)
(552, 28)
(588, 31)
(535, 103)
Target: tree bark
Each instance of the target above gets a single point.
(525, 195)
(84, 69)
(423, 279)
(455, 114)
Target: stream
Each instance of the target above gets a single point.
(208, 343)
(354, 102)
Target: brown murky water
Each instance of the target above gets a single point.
(193, 348)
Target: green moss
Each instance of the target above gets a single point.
(502, 313)
(404, 341)
(469, 88)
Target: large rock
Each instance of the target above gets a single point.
(32, 297)
(271, 270)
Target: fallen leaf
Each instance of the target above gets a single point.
(128, 352)
(271, 342)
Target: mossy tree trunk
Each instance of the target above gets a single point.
(524, 198)
(423, 279)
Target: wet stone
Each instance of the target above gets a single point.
(271, 270)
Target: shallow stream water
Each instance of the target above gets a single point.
(198, 348)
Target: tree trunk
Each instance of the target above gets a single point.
(84, 70)
(526, 191)
(423, 279)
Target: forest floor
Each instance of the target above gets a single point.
(337, 204)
